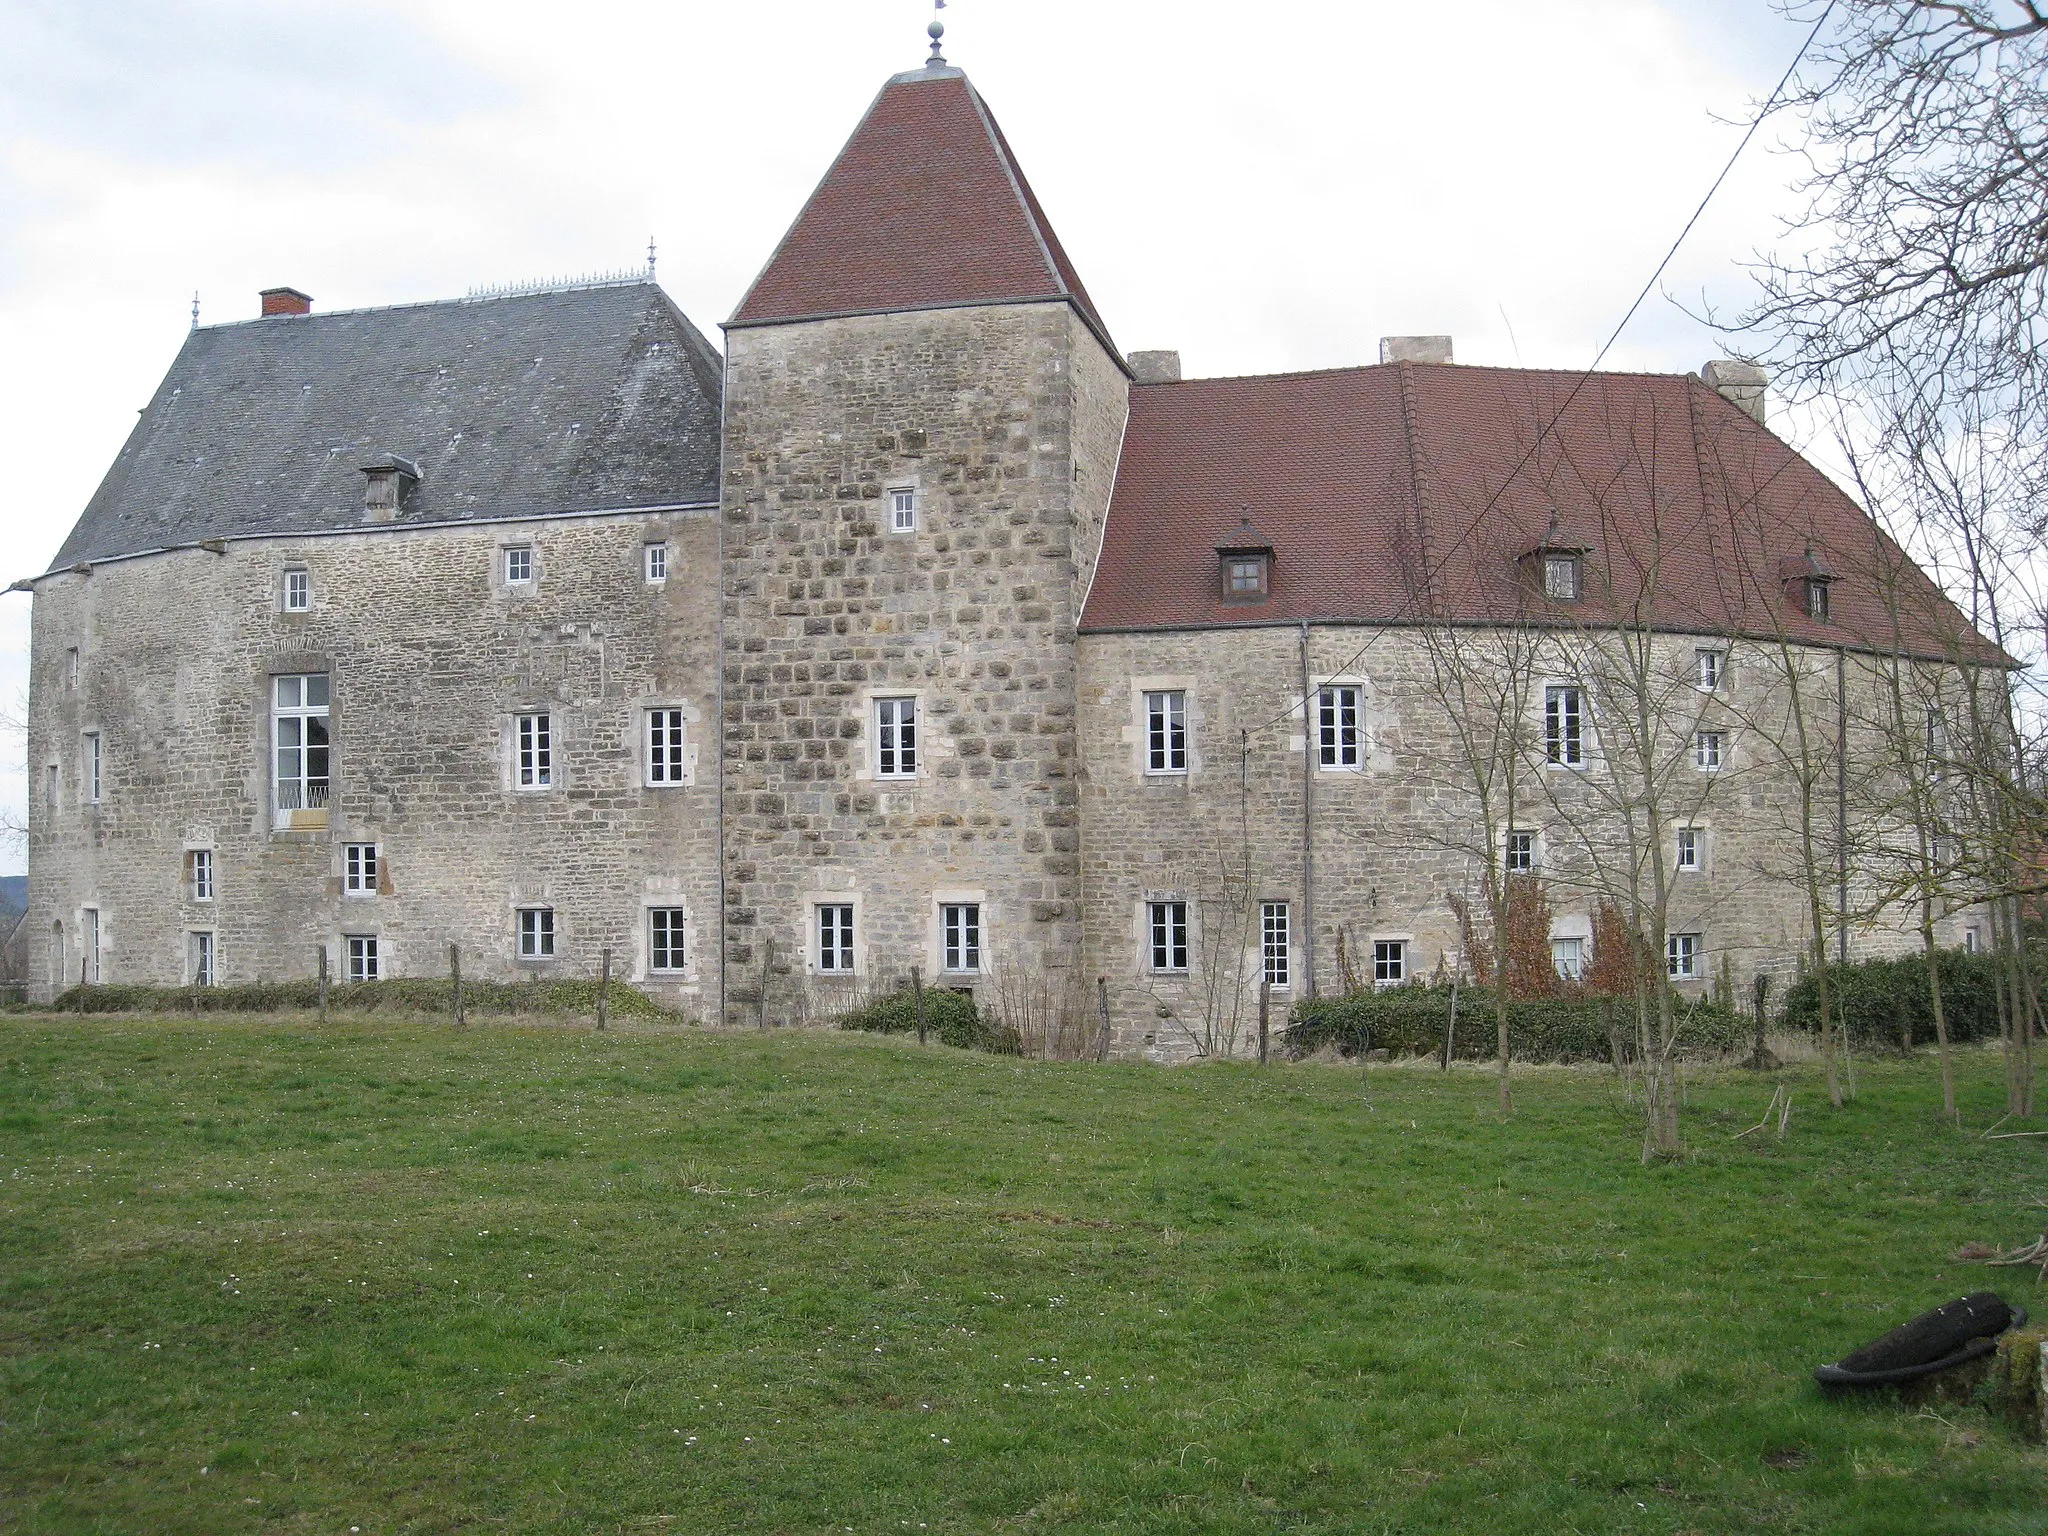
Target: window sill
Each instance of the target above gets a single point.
(1166, 773)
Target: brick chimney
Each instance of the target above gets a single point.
(1155, 367)
(1743, 385)
(1415, 349)
(286, 301)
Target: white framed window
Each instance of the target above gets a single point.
(199, 968)
(302, 745)
(1973, 941)
(1568, 956)
(1937, 733)
(359, 869)
(1338, 738)
(1564, 725)
(1707, 666)
(1166, 732)
(1276, 943)
(896, 738)
(1389, 962)
(89, 940)
(536, 933)
(665, 759)
(1518, 853)
(1561, 577)
(1819, 605)
(1168, 922)
(199, 874)
(665, 939)
(1709, 750)
(518, 565)
(903, 509)
(654, 562)
(361, 960)
(835, 937)
(1684, 955)
(534, 749)
(298, 589)
(1692, 849)
(960, 936)
(92, 767)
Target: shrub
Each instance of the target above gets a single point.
(951, 1016)
(1410, 1021)
(1885, 1005)
(397, 995)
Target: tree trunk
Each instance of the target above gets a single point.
(1948, 1074)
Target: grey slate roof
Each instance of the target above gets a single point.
(575, 400)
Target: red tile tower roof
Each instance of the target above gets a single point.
(1411, 492)
(925, 208)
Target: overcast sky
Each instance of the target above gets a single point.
(1264, 188)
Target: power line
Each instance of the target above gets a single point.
(1770, 106)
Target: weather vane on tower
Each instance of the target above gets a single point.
(936, 31)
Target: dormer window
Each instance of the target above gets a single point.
(1561, 578)
(1246, 557)
(1808, 585)
(388, 484)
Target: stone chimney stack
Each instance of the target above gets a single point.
(1743, 385)
(1415, 349)
(1155, 367)
(286, 301)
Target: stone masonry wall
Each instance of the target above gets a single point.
(1002, 420)
(1395, 839)
(430, 654)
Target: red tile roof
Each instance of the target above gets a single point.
(925, 208)
(1411, 492)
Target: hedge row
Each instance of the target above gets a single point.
(951, 1017)
(1410, 1021)
(1886, 1006)
(397, 995)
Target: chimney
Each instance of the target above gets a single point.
(1155, 367)
(1415, 349)
(286, 301)
(1743, 385)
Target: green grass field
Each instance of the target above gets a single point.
(259, 1277)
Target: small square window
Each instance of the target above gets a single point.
(359, 869)
(1276, 942)
(1684, 956)
(362, 961)
(199, 971)
(960, 936)
(298, 589)
(1707, 670)
(1692, 848)
(835, 938)
(1166, 732)
(1568, 956)
(1389, 962)
(1709, 751)
(1561, 578)
(536, 933)
(519, 564)
(199, 874)
(1169, 924)
(665, 939)
(536, 751)
(903, 509)
(655, 556)
(1244, 577)
(896, 738)
(1519, 852)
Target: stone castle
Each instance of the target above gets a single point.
(925, 631)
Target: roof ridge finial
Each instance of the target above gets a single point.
(936, 31)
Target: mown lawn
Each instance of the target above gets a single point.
(260, 1277)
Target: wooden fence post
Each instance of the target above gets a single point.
(604, 987)
(1265, 1012)
(917, 994)
(323, 983)
(455, 979)
(1102, 1007)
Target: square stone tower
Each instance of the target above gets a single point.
(922, 418)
